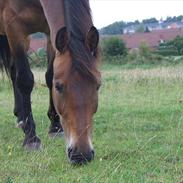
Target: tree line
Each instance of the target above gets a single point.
(118, 27)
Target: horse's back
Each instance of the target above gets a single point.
(27, 11)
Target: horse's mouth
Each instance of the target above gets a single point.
(77, 158)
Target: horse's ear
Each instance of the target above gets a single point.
(61, 41)
(92, 39)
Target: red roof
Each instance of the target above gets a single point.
(35, 44)
(132, 40)
(151, 38)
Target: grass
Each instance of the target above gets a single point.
(138, 132)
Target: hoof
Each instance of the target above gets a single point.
(33, 143)
(33, 146)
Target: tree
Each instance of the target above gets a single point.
(114, 46)
(115, 28)
(150, 21)
(136, 22)
(180, 18)
(147, 29)
(140, 28)
(178, 44)
(144, 49)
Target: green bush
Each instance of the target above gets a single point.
(171, 48)
(178, 43)
(167, 52)
(38, 59)
(142, 56)
(144, 50)
(114, 46)
(138, 59)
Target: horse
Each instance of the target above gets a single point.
(72, 75)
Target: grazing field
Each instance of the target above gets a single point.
(138, 132)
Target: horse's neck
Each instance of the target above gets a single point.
(54, 12)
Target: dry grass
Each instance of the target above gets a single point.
(161, 73)
(133, 74)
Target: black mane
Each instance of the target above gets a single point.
(78, 22)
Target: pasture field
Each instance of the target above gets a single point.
(138, 132)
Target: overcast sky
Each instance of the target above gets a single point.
(106, 12)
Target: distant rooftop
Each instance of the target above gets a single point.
(152, 38)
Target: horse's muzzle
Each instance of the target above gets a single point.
(78, 158)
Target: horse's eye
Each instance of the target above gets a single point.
(59, 87)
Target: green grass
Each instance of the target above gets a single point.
(138, 132)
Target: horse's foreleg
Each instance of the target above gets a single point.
(23, 85)
(17, 96)
(55, 126)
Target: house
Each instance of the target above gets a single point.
(152, 39)
(173, 26)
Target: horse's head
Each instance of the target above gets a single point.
(75, 91)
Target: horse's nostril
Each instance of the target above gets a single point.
(69, 151)
(93, 153)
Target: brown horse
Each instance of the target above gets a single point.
(72, 76)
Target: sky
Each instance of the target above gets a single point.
(106, 12)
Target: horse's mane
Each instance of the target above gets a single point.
(78, 21)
